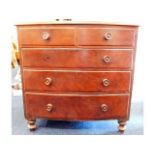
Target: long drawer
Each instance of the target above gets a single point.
(76, 107)
(75, 80)
(78, 58)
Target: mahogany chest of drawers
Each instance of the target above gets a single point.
(77, 71)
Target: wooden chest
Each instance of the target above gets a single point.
(77, 71)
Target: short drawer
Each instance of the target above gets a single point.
(46, 36)
(76, 107)
(76, 81)
(78, 58)
(106, 36)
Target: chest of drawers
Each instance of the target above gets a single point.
(77, 71)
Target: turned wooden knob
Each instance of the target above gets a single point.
(104, 107)
(107, 59)
(106, 82)
(48, 81)
(49, 107)
(107, 36)
(45, 35)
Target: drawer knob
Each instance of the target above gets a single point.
(45, 35)
(48, 81)
(49, 107)
(108, 36)
(104, 107)
(106, 82)
(107, 59)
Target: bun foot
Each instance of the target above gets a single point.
(31, 125)
(122, 126)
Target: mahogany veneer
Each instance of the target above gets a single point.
(77, 71)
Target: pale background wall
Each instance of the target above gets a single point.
(130, 11)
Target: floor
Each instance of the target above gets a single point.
(49, 127)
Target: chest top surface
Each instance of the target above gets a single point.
(77, 23)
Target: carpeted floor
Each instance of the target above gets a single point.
(48, 127)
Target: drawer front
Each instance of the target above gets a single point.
(76, 107)
(106, 36)
(75, 81)
(73, 58)
(46, 36)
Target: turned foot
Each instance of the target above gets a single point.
(31, 125)
(122, 126)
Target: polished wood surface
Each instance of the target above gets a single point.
(68, 81)
(57, 36)
(72, 71)
(70, 107)
(78, 58)
(97, 36)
